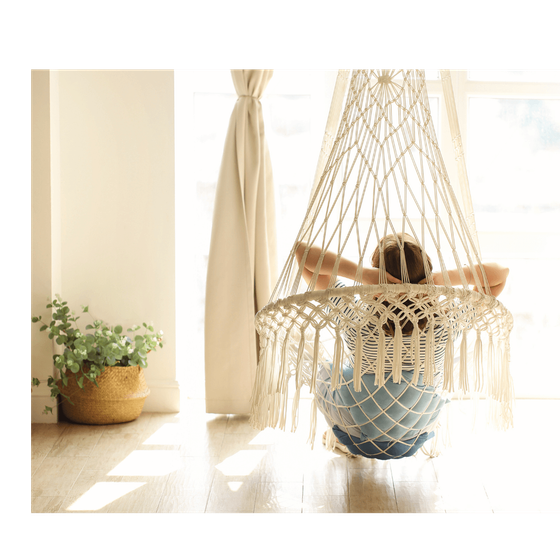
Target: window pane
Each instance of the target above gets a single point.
(294, 159)
(514, 163)
(514, 173)
(547, 76)
(536, 327)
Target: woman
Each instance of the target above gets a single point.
(396, 420)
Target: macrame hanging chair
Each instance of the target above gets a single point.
(381, 172)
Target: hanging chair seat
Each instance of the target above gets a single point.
(386, 399)
(381, 360)
(389, 421)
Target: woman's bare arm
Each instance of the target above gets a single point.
(495, 273)
(346, 268)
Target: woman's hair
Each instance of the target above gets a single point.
(392, 256)
(414, 259)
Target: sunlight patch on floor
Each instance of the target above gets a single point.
(147, 463)
(242, 463)
(168, 434)
(102, 494)
(235, 486)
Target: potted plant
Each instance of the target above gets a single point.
(101, 378)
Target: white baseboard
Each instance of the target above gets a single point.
(165, 396)
(41, 397)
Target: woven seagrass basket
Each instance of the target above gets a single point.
(119, 398)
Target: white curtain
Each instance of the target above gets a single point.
(242, 267)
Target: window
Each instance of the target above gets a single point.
(511, 131)
(510, 124)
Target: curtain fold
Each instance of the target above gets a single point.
(242, 263)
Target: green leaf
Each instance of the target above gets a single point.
(142, 354)
(144, 325)
(80, 382)
(65, 380)
(47, 410)
(43, 328)
(74, 368)
(118, 329)
(150, 328)
(51, 336)
(35, 382)
(49, 305)
(138, 339)
(34, 319)
(160, 345)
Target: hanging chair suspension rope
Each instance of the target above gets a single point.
(461, 164)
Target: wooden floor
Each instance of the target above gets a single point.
(205, 463)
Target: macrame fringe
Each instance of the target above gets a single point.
(273, 351)
(416, 354)
(299, 361)
(295, 409)
(284, 404)
(261, 398)
(380, 366)
(397, 354)
(313, 424)
(478, 364)
(315, 364)
(463, 363)
(358, 362)
(429, 364)
(274, 403)
(337, 362)
(448, 363)
(491, 368)
(501, 404)
(282, 385)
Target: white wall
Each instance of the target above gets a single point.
(112, 163)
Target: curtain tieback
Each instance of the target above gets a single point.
(250, 96)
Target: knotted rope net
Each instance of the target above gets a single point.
(382, 360)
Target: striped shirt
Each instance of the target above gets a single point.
(370, 342)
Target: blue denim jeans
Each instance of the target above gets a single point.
(382, 450)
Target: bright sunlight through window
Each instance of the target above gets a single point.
(102, 494)
(147, 463)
